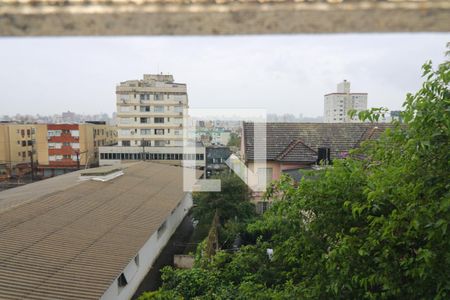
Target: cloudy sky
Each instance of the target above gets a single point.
(283, 74)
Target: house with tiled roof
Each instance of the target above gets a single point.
(291, 147)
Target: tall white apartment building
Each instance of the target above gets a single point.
(337, 105)
(150, 123)
(150, 111)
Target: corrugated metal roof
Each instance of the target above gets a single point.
(72, 243)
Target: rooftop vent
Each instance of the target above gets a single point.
(101, 174)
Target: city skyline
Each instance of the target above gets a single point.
(283, 74)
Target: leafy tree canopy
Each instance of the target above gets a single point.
(373, 226)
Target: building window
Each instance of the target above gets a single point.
(159, 131)
(24, 143)
(136, 259)
(159, 109)
(159, 96)
(146, 131)
(145, 108)
(122, 281)
(161, 229)
(124, 109)
(24, 154)
(143, 120)
(125, 143)
(160, 143)
(159, 120)
(262, 206)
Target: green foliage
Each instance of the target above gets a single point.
(373, 226)
(235, 140)
(232, 205)
(373, 114)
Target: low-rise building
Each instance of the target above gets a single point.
(291, 147)
(94, 237)
(72, 146)
(216, 157)
(51, 149)
(18, 148)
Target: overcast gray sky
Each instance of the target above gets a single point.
(283, 74)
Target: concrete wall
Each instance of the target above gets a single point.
(137, 269)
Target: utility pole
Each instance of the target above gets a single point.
(143, 149)
(78, 159)
(78, 153)
(32, 154)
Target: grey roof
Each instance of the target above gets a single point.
(299, 142)
(71, 243)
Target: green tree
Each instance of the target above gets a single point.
(231, 203)
(235, 140)
(373, 226)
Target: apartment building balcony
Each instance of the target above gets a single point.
(150, 126)
(64, 150)
(64, 137)
(137, 114)
(152, 137)
(133, 102)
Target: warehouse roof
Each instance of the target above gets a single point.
(74, 240)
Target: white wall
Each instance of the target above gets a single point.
(147, 255)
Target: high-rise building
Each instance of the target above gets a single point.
(150, 111)
(149, 118)
(337, 105)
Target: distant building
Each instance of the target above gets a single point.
(68, 116)
(77, 237)
(396, 115)
(213, 136)
(337, 105)
(216, 157)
